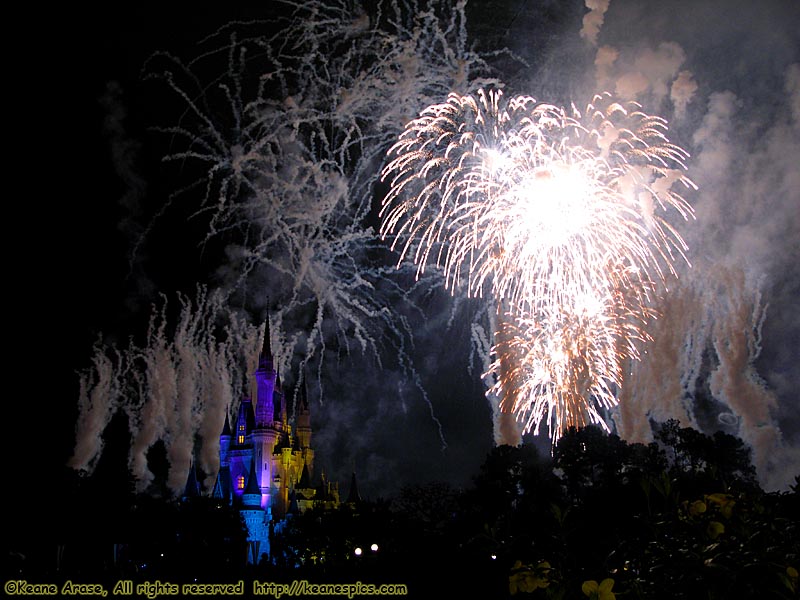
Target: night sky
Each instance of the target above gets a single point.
(70, 229)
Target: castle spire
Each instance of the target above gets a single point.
(303, 400)
(294, 507)
(303, 417)
(305, 478)
(353, 497)
(192, 488)
(265, 382)
(252, 488)
(266, 347)
(226, 428)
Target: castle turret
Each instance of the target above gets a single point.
(265, 382)
(245, 423)
(222, 486)
(251, 498)
(225, 443)
(353, 497)
(294, 507)
(305, 479)
(303, 418)
(192, 488)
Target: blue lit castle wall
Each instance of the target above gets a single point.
(266, 465)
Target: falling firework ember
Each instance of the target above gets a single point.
(558, 214)
(549, 366)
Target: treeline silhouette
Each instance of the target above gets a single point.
(681, 517)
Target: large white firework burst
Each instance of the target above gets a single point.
(544, 207)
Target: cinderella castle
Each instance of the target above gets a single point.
(267, 462)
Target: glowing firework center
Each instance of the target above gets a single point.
(559, 214)
(546, 209)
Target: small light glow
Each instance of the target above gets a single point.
(357, 551)
(374, 547)
(494, 556)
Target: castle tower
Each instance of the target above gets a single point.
(265, 434)
(266, 459)
(256, 519)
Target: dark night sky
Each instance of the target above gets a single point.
(77, 282)
(68, 254)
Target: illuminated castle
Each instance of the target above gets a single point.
(266, 463)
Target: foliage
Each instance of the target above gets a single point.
(601, 518)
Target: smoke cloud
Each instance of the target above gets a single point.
(593, 20)
(726, 325)
(176, 387)
(294, 168)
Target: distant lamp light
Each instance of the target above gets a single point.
(374, 547)
(357, 551)
(494, 556)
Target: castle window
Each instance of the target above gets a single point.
(241, 440)
(240, 482)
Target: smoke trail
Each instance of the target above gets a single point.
(681, 93)
(647, 75)
(177, 388)
(724, 313)
(725, 331)
(155, 395)
(593, 20)
(98, 398)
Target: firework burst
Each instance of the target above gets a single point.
(558, 214)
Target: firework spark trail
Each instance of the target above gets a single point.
(176, 387)
(551, 209)
(289, 137)
(564, 367)
(478, 177)
(296, 165)
(97, 401)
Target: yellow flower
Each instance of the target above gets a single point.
(697, 507)
(599, 591)
(724, 501)
(715, 529)
(793, 576)
(524, 578)
(718, 498)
